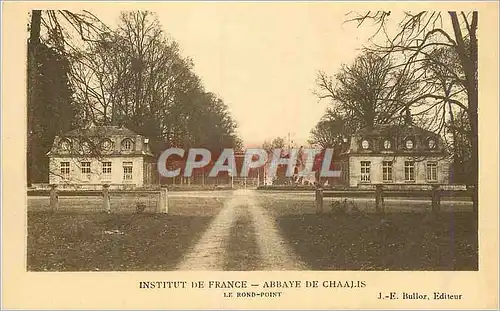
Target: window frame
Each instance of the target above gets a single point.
(65, 175)
(128, 176)
(86, 147)
(85, 170)
(409, 140)
(386, 140)
(127, 142)
(429, 140)
(106, 175)
(365, 176)
(387, 171)
(409, 170)
(365, 140)
(428, 169)
(65, 145)
(105, 142)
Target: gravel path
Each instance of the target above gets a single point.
(210, 253)
(275, 253)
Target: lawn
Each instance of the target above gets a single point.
(79, 239)
(400, 240)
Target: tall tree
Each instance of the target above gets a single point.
(330, 131)
(50, 109)
(368, 92)
(137, 77)
(418, 36)
(449, 119)
(82, 72)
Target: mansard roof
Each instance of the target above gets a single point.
(108, 130)
(96, 141)
(392, 130)
(397, 136)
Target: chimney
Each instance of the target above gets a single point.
(408, 119)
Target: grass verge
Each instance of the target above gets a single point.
(397, 241)
(79, 237)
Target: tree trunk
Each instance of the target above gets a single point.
(36, 18)
(473, 106)
(32, 46)
(475, 149)
(468, 59)
(454, 135)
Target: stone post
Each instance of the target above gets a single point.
(436, 198)
(163, 206)
(379, 198)
(319, 200)
(54, 198)
(106, 200)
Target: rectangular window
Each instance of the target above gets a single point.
(65, 170)
(85, 168)
(106, 170)
(365, 171)
(387, 171)
(431, 171)
(127, 144)
(127, 171)
(409, 171)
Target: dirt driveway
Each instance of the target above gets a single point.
(211, 251)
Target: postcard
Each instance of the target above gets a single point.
(249, 155)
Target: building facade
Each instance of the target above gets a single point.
(98, 155)
(394, 154)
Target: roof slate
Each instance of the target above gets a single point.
(109, 130)
(394, 129)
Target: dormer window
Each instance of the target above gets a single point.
(365, 144)
(387, 144)
(409, 144)
(106, 145)
(127, 145)
(65, 145)
(431, 143)
(85, 146)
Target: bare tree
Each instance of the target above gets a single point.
(132, 76)
(368, 92)
(137, 77)
(49, 60)
(330, 131)
(419, 35)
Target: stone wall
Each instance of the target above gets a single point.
(398, 174)
(96, 177)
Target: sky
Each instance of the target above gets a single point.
(262, 58)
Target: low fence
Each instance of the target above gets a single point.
(105, 200)
(94, 190)
(432, 192)
(40, 187)
(365, 188)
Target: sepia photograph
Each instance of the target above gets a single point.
(249, 155)
(360, 157)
